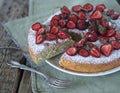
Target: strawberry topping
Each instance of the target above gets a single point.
(95, 52)
(62, 35)
(71, 51)
(77, 8)
(39, 39)
(36, 26)
(83, 52)
(88, 7)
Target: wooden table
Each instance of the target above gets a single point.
(12, 80)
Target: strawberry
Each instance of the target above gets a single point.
(73, 18)
(83, 52)
(91, 45)
(71, 51)
(103, 39)
(62, 35)
(117, 36)
(65, 10)
(106, 49)
(62, 23)
(110, 32)
(82, 15)
(93, 28)
(71, 25)
(110, 12)
(91, 36)
(56, 17)
(36, 26)
(96, 15)
(95, 52)
(39, 39)
(82, 25)
(100, 7)
(77, 8)
(115, 16)
(104, 23)
(102, 30)
(80, 43)
(88, 7)
(54, 30)
(41, 31)
(53, 22)
(50, 37)
(63, 16)
(115, 44)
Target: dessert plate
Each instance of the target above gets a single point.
(54, 62)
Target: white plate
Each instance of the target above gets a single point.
(54, 62)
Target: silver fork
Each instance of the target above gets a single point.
(53, 82)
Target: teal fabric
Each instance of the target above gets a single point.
(40, 10)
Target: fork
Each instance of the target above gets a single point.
(53, 82)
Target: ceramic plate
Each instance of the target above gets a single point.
(54, 62)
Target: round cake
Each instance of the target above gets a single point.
(90, 38)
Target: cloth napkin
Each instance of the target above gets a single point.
(40, 10)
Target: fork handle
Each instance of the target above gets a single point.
(24, 67)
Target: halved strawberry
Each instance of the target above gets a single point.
(110, 12)
(63, 16)
(82, 15)
(36, 26)
(100, 7)
(71, 25)
(80, 43)
(102, 30)
(83, 52)
(56, 17)
(62, 35)
(71, 51)
(104, 23)
(65, 10)
(96, 15)
(54, 30)
(62, 23)
(53, 22)
(103, 39)
(93, 28)
(77, 8)
(117, 36)
(88, 7)
(115, 44)
(110, 32)
(41, 31)
(82, 25)
(115, 16)
(39, 39)
(95, 52)
(91, 36)
(50, 37)
(106, 49)
(73, 18)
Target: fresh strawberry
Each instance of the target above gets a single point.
(77, 8)
(102, 30)
(110, 32)
(63, 16)
(41, 31)
(65, 10)
(117, 36)
(73, 18)
(82, 15)
(110, 12)
(100, 7)
(36, 26)
(54, 30)
(93, 28)
(88, 7)
(80, 43)
(91, 45)
(50, 37)
(62, 35)
(103, 39)
(115, 16)
(62, 23)
(71, 51)
(91, 36)
(39, 39)
(104, 23)
(56, 17)
(96, 15)
(71, 25)
(53, 22)
(83, 52)
(106, 49)
(82, 25)
(115, 44)
(95, 52)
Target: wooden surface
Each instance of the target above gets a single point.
(12, 80)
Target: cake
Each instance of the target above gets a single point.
(91, 38)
